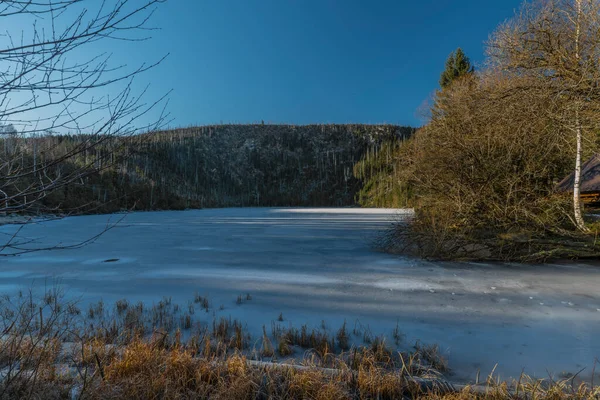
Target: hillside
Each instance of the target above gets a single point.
(217, 166)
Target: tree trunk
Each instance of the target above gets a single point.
(577, 180)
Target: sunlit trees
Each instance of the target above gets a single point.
(485, 167)
(457, 65)
(484, 171)
(556, 43)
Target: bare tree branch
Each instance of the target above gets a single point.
(48, 86)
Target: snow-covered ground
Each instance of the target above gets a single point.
(316, 265)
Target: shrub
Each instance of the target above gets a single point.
(484, 170)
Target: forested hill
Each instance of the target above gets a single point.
(228, 166)
(260, 165)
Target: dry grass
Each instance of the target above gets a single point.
(47, 350)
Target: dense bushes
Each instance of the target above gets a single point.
(485, 170)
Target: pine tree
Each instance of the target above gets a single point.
(457, 65)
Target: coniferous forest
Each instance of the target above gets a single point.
(217, 166)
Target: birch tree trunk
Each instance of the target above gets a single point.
(556, 43)
(577, 180)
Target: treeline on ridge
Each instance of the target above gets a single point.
(209, 166)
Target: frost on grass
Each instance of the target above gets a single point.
(51, 349)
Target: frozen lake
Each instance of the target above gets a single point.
(318, 264)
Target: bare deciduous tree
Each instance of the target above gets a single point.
(557, 42)
(483, 171)
(52, 81)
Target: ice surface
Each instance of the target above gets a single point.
(319, 264)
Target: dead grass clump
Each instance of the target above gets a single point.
(397, 334)
(121, 306)
(186, 321)
(133, 322)
(241, 299)
(202, 301)
(267, 349)
(342, 337)
(375, 382)
(31, 342)
(283, 348)
(162, 315)
(309, 339)
(96, 310)
(24, 388)
(38, 351)
(313, 384)
(430, 354)
(145, 371)
(380, 351)
(231, 333)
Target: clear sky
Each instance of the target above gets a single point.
(304, 61)
(307, 61)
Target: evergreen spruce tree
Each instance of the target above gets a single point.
(457, 65)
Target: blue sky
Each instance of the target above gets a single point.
(306, 61)
(303, 61)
